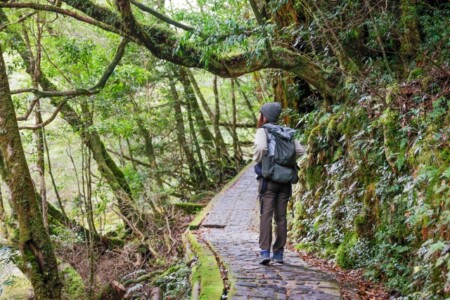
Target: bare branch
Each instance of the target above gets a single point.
(110, 69)
(238, 125)
(29, 110)
(21, 91)
(161, 16)
(130, 159)
(45, 123)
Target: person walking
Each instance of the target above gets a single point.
(274, 191)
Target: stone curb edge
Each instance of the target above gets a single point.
(206, 279)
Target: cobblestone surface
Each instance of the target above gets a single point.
(231, 228)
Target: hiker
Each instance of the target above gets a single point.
(273, 195)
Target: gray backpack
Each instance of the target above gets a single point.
(279, 164)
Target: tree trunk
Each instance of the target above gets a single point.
(3, 178)
(410, 37)
(194, 170)
(216, 124)
(199, 94)
(39, 261)
(196, 143)
(40, 163)
(219, 141)
(207, 137)
(50, 172)
(130, 153)
(247, 102)
(3, 227)
(237, 150)
(148, 143)
(260, 89)
(87, 185)
(87, 188)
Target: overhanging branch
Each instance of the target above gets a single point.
(65, 12)
(164, 44)
(83, 92)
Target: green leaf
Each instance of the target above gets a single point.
(446, 173)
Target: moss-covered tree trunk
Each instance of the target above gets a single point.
(236, 149)
(39, 261)
(205, 133)
(219, 141)
(40, 164)
(195, 141)
(216, 123)
(3, 228)
(148, 143)
(410, 36)
(197, 175)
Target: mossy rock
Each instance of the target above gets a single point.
(18, 289)
(73, 286)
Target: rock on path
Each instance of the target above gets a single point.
(231, 227)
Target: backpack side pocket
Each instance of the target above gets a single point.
(267, 167)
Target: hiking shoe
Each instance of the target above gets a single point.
(264, 257)
(278, 256)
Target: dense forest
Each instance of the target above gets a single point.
(119, 119)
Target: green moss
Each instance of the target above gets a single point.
(313, 176)
(416, 73)
(206, 270)
(391, 92)
(189, 208)
(330, 250)
(351, 121)
(313, 136)
(201, 196)
(73, 286)
(305, 246)
(20, 288)
(360, 223)
(372, 207)
(343, 252)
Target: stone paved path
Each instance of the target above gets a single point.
(231, 227)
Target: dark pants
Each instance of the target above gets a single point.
(274, 199)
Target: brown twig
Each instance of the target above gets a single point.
(49, 120)
(18, 21)
(29, 110)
